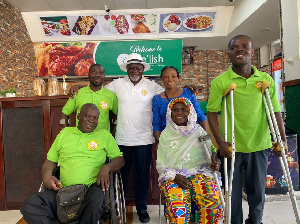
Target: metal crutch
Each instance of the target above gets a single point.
(277, 137)
(259, 87)
(202, 139)
(228, 187)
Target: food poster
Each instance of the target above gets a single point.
(84, 25)
(71, 59)
(276, 181)
(157, 53)
(75, 58)
(187, 22)
(55, 26)
(128, 24)
(70, 26)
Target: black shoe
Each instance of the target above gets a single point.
(143, 216)
(249, 221)
(105, 215)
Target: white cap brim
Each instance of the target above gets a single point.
(123, 66)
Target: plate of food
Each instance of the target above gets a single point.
(197, 22)
(137, 17)
(84, 25)
(122, 24)
(141, 28)
(172, 23)
(47, 31)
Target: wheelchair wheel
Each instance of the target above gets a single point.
(112, 205)
(116, 199)
(120, 199)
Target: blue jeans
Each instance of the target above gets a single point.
(143, 155)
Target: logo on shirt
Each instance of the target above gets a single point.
(258, 85)
(144, 92)
(103, 104)
(93, 145)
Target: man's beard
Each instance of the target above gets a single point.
(135, 79)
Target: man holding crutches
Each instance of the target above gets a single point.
(251, 131)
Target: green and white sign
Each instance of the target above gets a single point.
(157, 53)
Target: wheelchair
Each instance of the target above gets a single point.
(115, 200)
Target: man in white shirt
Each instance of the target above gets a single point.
(134, 133)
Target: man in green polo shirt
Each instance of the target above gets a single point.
(252, 135)
(81, 153)
(104, 99)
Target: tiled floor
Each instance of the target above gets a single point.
(276, 212)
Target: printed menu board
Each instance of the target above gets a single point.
(70, 26)
(186, 22)
(127, 24)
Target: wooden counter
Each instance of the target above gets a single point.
(28, 127)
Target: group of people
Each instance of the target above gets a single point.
(173, 121)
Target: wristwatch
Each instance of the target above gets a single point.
(63, 121)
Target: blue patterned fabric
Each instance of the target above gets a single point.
(160, 109)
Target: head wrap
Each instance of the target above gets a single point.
(180, 100)
(192, 117)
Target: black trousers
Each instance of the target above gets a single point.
(143, 154)
(40, 208)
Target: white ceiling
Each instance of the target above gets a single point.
(262, 25)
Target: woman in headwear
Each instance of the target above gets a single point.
(170, 76)
(184, 172)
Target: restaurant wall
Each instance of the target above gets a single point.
(17, 67)
(207, 65)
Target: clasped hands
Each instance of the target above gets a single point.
(184, 183)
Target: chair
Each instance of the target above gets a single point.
(159, 212)
(115, 199)
(117, 209)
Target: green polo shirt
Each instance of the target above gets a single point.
(104, 99)
(81, 155)
(251, 128)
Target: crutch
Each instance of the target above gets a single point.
(203, 139)
(271, 126)
(265, 86)
(228, 186)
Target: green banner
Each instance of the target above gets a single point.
(157, 53)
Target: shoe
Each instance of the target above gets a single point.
(105, 215)
(249, 221)
(143, 216)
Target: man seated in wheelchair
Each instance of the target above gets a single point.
(81, 153)
(185, 174)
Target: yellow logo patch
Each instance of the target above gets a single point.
(144, 92)
(103, 104)
(93, 145)
(258, 85)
